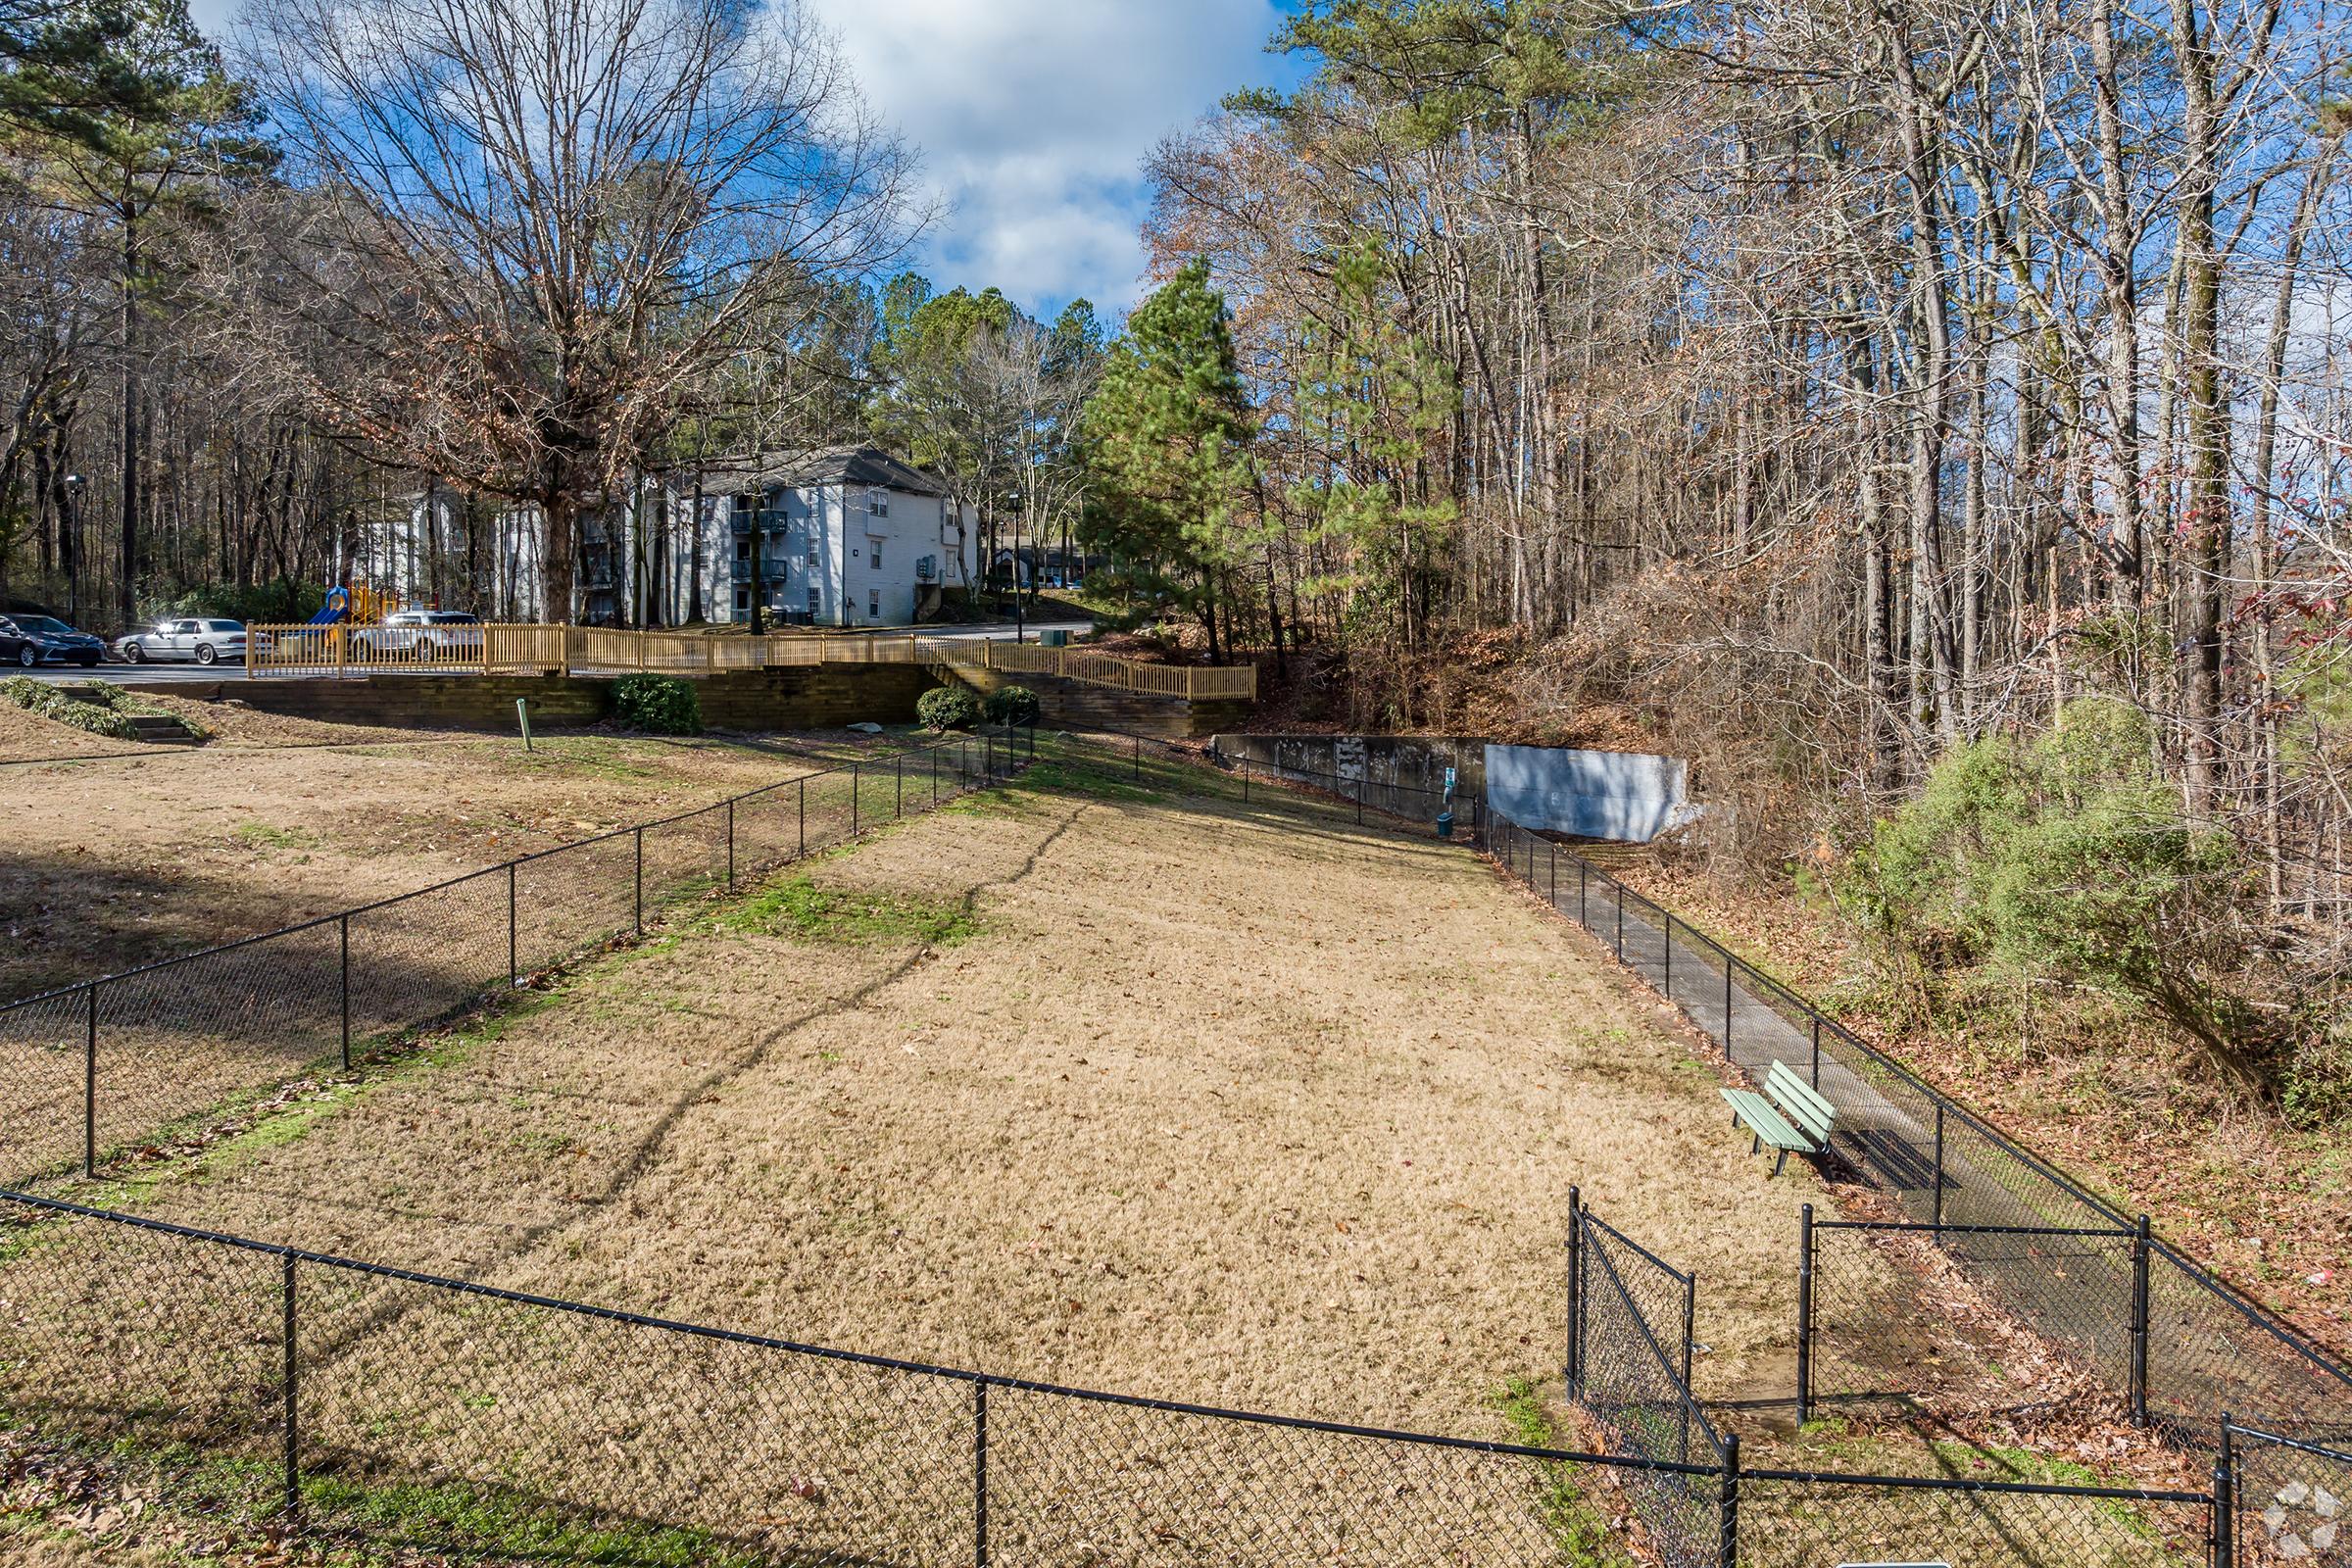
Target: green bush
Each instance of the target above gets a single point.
(37, 697)
(659, 705)
(2068, 858)
(946, 708)
(1011, 705)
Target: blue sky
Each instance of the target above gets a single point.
(1032, 117)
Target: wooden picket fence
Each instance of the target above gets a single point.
(503, 649)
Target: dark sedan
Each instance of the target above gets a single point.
(30, 640)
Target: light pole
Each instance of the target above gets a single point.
(70, 538)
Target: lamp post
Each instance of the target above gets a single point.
(71, 539)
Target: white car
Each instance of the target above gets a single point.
(204, 640)
(421, 634)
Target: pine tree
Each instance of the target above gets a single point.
(1169, 434)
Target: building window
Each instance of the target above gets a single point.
(873, 549)
(743, 551)
(814, 606)
(813, 552)
(873, 604)
(877, 503)
(743, 600)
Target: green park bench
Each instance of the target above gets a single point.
(1790, 1115)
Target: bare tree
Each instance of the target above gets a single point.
(540, 224)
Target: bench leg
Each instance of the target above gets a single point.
(1780, 1164)
(1756, 1147)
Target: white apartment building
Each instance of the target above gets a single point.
(844, 538)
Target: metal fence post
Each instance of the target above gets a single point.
(1727, 1006)
(2140, 1321)
(1359, 808)
(1805, 1314)
(89, 1088)
(1666, 950)
(293, 1437)
(803, 816)
(730, 844)
(343, 940)
(1937, 1212)
(640, 837)
(1620, 922)
(1727, 1550)
(1580, 894)
(980, 1475)
(898, 765)
(1554, 879)
(1690, 1333)
(934, 775)
(1139, 757)
(1570, 1371)
(852, 799)
(1817, 1050)
(513, 969)
(1245, 781)
(2225, 1498)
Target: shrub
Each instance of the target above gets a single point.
(2068, 858)
(946, 708)
(36, 697)
(106, 694)
(659, 705)
(1011, 705)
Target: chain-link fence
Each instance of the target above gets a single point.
(113, 1066)
(2207, 1349)
(440, 1417)
(1629, 1368)
(1801, 1519)
(1143, 762)
(2290, 1502)
(1861, 1336)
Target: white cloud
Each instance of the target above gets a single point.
(1032, 117)
(1033, 114)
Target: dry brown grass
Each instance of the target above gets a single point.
(111, 864)
(1215, 1107)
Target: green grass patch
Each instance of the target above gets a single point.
(1580, 1528)
(803, 909)
(264, 836)
(238, 1502)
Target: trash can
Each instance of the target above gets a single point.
(1054, 639)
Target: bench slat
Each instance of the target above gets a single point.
(1801, 1102)
(1757, 1114)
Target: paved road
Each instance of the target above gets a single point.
(193, 674)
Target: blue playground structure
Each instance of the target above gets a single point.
(335, 611)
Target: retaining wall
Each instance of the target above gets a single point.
(790, 697)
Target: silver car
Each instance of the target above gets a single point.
(422, 635)
(204, 639)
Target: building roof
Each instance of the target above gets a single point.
(855, 467)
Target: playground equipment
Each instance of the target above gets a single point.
(357, 603)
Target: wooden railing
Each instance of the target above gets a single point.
(501, 649)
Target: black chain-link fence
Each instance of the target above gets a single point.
(111, 1066)
(1629, 1368)
(1799, 1519)
(443, 1417)
(2209, 1350)
(1861, 1336)
(2290, 1502)
(1143, 762)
